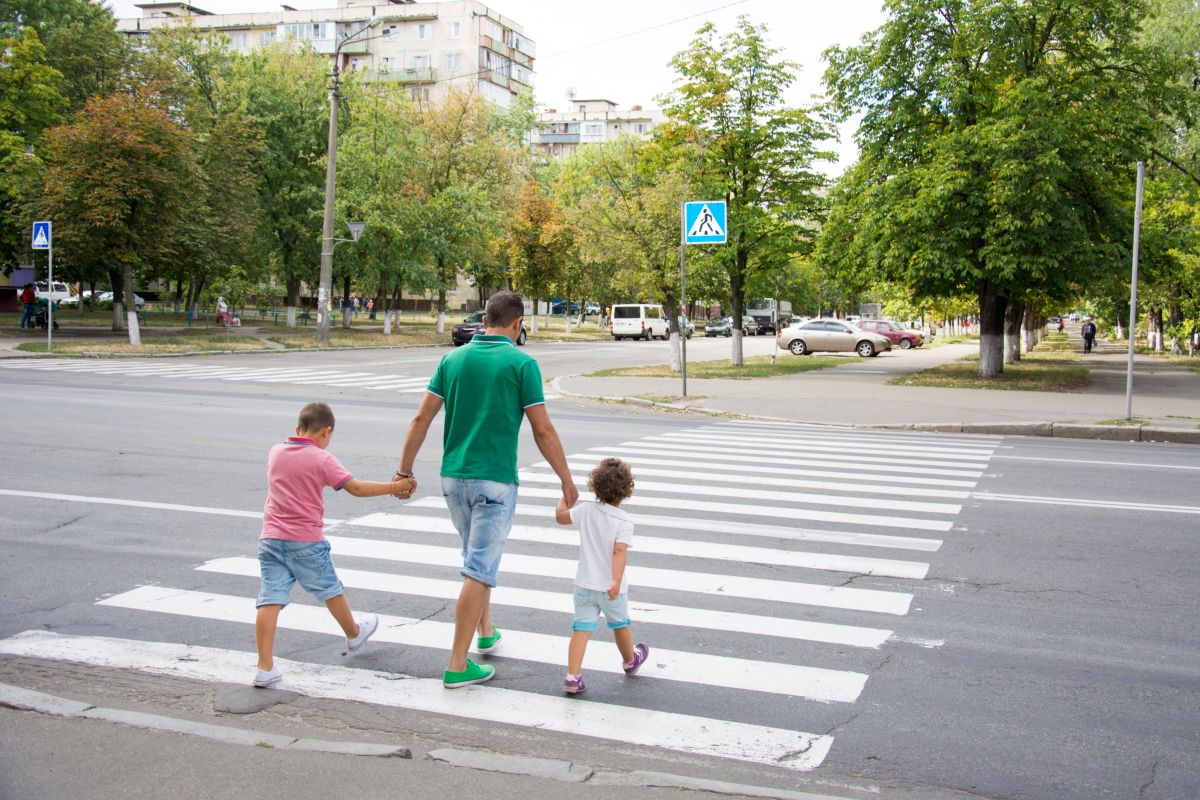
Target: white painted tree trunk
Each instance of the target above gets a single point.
(291, 317)
(534, 329)
(135, 334)
(441, 322)
(387, 322)
(676, 359)
(735, 348)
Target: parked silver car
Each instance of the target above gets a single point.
(830, 336)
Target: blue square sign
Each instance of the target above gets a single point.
(704, 222)
(41, 235)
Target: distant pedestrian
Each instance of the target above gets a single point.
(488, 388)
(1060, 325)
(28, 299)
(601, 586)
(292, 546)
(1089, 334)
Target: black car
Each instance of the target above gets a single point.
(473, 324)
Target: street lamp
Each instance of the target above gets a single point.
(324, 290)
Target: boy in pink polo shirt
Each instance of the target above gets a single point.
(292, 546)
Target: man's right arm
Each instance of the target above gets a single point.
(417, 430)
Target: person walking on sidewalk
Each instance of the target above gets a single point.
(601, 587)
(487, 388)
(1089, 334)
(28, 300)
(292, 546)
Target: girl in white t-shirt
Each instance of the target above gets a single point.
(605, 534)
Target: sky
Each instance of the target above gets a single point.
(619, 49)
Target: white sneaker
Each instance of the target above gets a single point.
(263, 679)
(366, 626)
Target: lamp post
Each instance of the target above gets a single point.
(324, 290)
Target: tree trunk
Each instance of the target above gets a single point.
(1156, 325)
(114, 283)
(672, 308)
(1012, 331)
(178, 305)
(347, 309)
(293, 300)
(737, 298)
(135, 336)
(1031, 326)
(1174, 318)
(992, 306)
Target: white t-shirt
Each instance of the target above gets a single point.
(601, 527)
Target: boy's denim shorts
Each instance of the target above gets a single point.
(283, 562)
(590, 603)
(482, 512)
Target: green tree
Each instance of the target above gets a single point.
(118, 182)
(538, 241)
(997, 143)
(82, 43)
(282, 92)
(750, 149)
(30, 102)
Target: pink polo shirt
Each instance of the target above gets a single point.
(297, 473)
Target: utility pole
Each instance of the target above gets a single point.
(324, 288)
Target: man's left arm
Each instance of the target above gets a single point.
(546, 437)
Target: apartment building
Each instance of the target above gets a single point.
(428, 47)
(560, 133)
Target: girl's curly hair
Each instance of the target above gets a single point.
(611, 481)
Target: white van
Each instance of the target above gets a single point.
(639, 321)
(61, 291)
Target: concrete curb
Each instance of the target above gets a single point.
(41, 703)
(1063, 430)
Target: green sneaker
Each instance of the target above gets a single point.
(472, 674)
(486, 644)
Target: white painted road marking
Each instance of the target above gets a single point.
(561, 602)
(826, 685)
(679, 732)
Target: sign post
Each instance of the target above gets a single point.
(702, 222)
(43, 239)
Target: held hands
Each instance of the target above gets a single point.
(570, 494)
(403, 488)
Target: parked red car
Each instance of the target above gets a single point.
(898, 336)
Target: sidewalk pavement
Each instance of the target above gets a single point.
(858, 394)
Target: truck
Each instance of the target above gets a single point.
(771, 315)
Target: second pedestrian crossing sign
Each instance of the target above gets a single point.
(41, 235)
(704, 222)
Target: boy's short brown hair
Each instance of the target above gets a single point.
(315, 417)
(611, 481)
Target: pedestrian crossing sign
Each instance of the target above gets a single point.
(704, 222)
(41, 235)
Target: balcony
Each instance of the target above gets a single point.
(557, 138)
(400, 75)
(356, 47)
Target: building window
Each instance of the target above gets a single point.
(583, 109)
(422, 30)
(386, 63)
(453, 29)
(592, 129)
(451, 62)
(420, 62)
(265, 38)
(639, 128)
(419, 93)
(240, 40)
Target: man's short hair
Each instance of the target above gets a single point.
(315, 417)
(503, 308)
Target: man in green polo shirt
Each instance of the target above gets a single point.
(487, 388)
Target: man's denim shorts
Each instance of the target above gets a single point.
(590, 603)
(482, 512)
(283, 562)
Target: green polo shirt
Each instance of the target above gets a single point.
(486, 387)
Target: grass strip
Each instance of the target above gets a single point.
(150, 346)
(1028, 375)
(756, 367)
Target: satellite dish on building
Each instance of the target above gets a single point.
(571, 92)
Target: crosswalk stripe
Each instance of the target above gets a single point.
(849, 501)
(868, 484)
(927, 467)
(812, 594)
(685, 523)
(659, 729)
(323, 377)
(771, 512)
(561, 602)
(674, 547)
(762, 426)
(965, 457)
(718, 463)
(813, 683)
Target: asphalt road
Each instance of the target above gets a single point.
(1033, 601)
